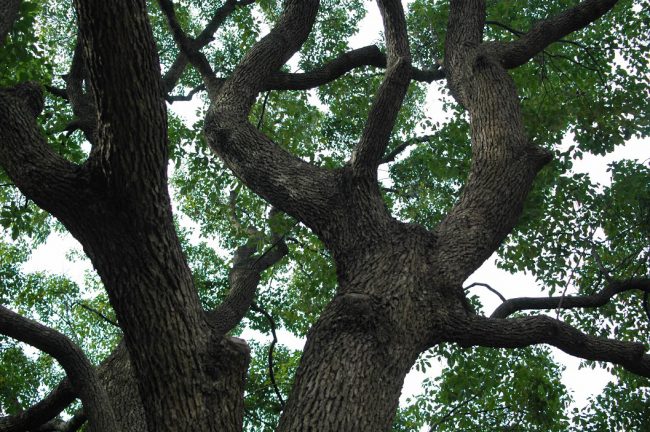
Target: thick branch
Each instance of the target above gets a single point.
(525, 331)
(391, 93)
(78, 368)
(124, 74)
(544, 33)
(464, 34)
(51, 406)
(41, 174)
(298, 188)
(601, 298)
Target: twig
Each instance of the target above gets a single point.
(261, 119)
(98, 313)
(503, 299)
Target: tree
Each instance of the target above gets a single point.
(375, 273)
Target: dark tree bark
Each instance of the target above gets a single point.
(399, 285)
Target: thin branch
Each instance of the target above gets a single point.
(98, 313)
(392, 155)
(484, 285)
(255, 307)
(601, 298)
(187, 97)
(450, 413)
(177, 68)
(261, 119)
(189, 48)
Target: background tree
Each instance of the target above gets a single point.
(310, 238)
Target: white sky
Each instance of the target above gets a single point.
(583, 383)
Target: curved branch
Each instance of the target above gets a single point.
(488, 287)
(532, 330)
(41, 174)
(271, 321)
(391, 93)
(601, 298)
(518, 52)
(48, 408)
(77, 367)
(296, 187)
(366, 56)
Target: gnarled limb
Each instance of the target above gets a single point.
(78, 368)
(298, 188)
(542, 34)
(601, 298)
(244, 277)
(531, 330)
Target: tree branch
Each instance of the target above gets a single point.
(189, 49)
(518, 52)
(292, 185)
(49, 407)
(366, 56)
(77, 367)
(601, 298)
(271, 321)
(489, 288)
(40, 174)
(244, 277)
(177, 68)
(391, 93)
(392, 155)
(531, 330)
